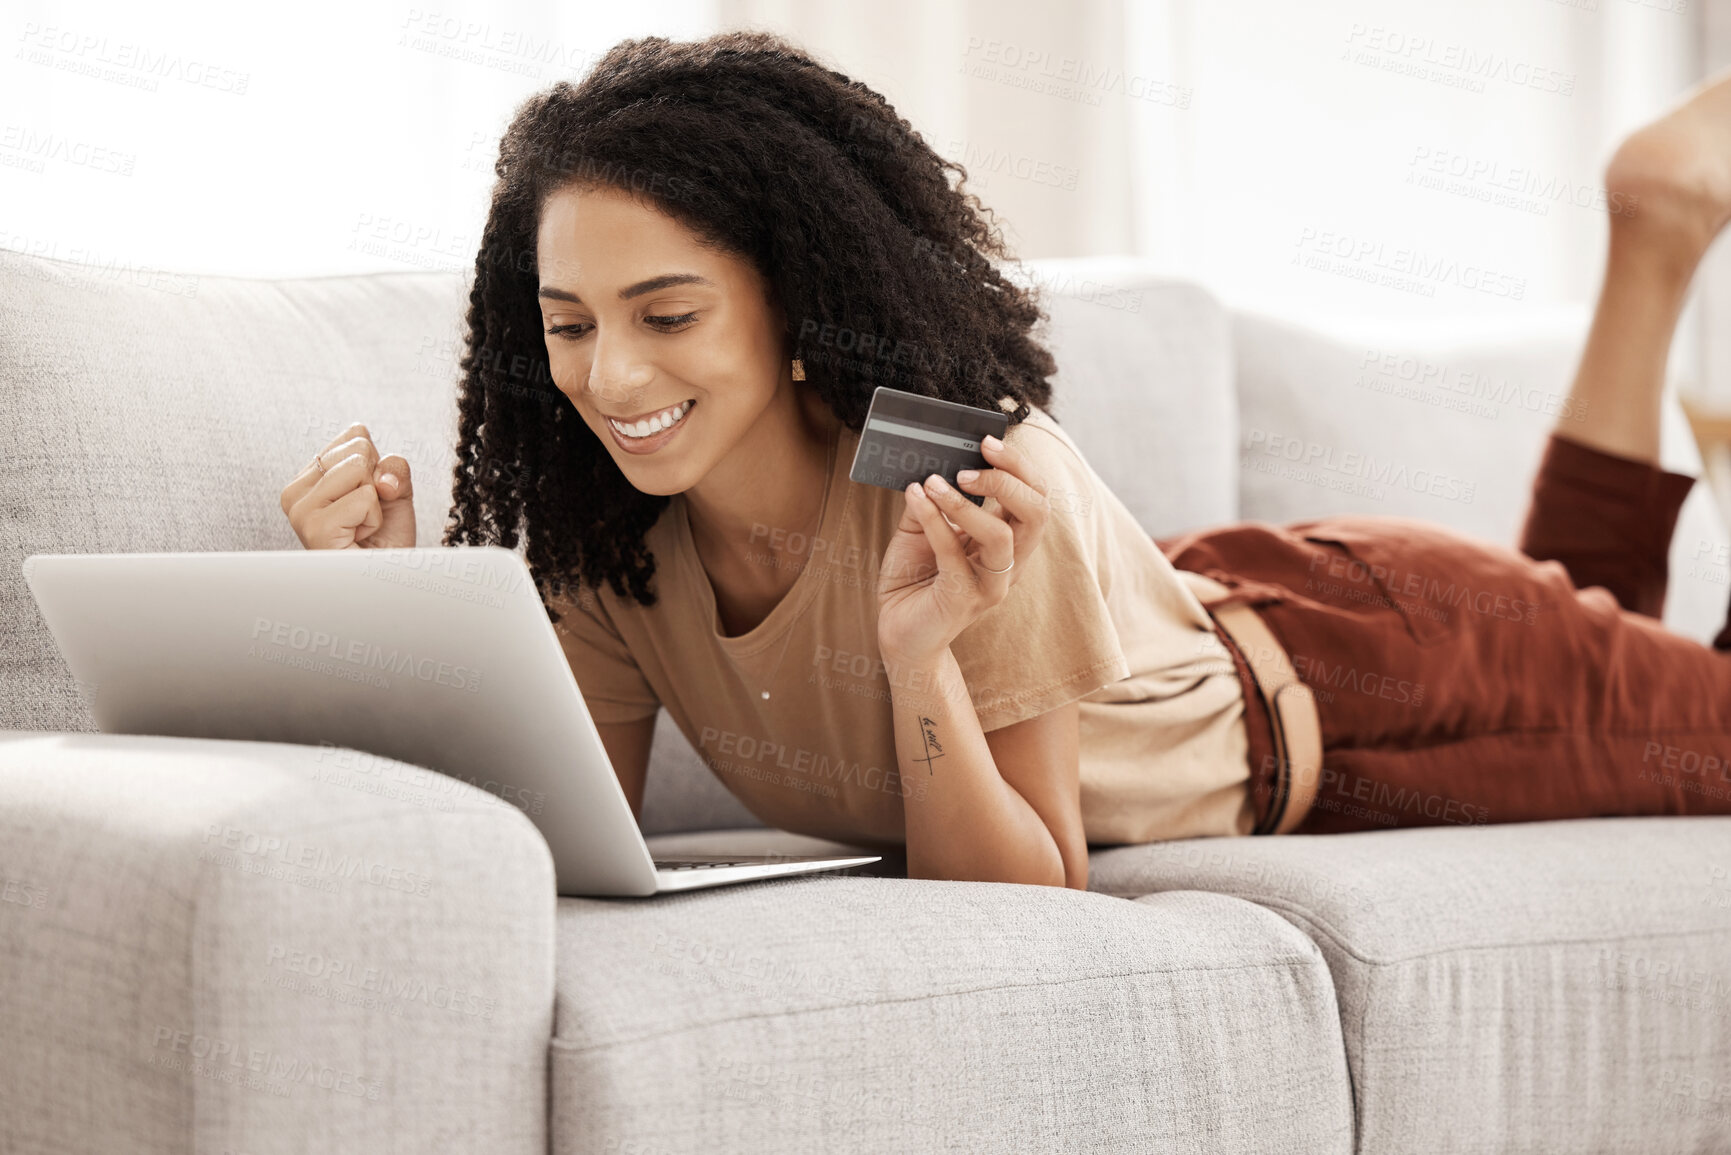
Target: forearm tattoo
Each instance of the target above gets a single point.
(934, 748)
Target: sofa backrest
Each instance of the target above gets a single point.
(1145, 386)
(1447, 427)
(165, 412)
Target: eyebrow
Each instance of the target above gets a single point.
(664, 281)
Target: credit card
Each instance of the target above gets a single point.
(908, 437)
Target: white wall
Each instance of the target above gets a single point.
(1405, 164)
(1264, 147)
(1405, 159)
(320, 137)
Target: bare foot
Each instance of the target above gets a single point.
(1669, 182)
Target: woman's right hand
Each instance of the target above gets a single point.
(359, 501)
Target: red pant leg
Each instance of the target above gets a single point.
(1607, 519)
(1463, 682)
(1579, 709)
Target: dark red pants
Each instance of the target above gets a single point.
(1463, 682)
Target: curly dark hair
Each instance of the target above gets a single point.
(881, 266)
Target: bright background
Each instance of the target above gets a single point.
(1227, 140)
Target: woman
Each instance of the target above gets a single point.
(727, 247)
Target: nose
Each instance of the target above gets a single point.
(618, 378)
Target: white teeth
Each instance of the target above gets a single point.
(649, 426)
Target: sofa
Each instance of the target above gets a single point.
(222, 946)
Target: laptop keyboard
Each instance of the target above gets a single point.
(700, 863)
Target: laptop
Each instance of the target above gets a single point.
(439, 657)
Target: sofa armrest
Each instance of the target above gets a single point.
(215, 945)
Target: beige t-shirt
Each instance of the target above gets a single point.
(1097, 614)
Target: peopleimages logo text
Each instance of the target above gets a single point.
(243, 845)
(1370, 255)
(364, 655)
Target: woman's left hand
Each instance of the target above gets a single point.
(932, 580)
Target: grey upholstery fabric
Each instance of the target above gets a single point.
(680, 793)
(1550, 986)
(843, 1014)
(241, 946)
(168, 416)
(141, 419)
(1536, 987)
(1145, 387)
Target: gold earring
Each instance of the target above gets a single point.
(798, 369)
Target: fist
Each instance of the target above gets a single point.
(349, 497)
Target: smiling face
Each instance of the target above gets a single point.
(641, 318)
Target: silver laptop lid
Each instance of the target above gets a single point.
(441, 657)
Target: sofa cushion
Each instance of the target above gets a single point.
(1442, 425)
(1144, 386)
(168, 415)
(840, 1014)
(1556, 986)
(681, 793)
(167, 412)
(209, 945)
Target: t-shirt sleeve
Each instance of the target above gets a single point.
(1052, 639)
(613, 686)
